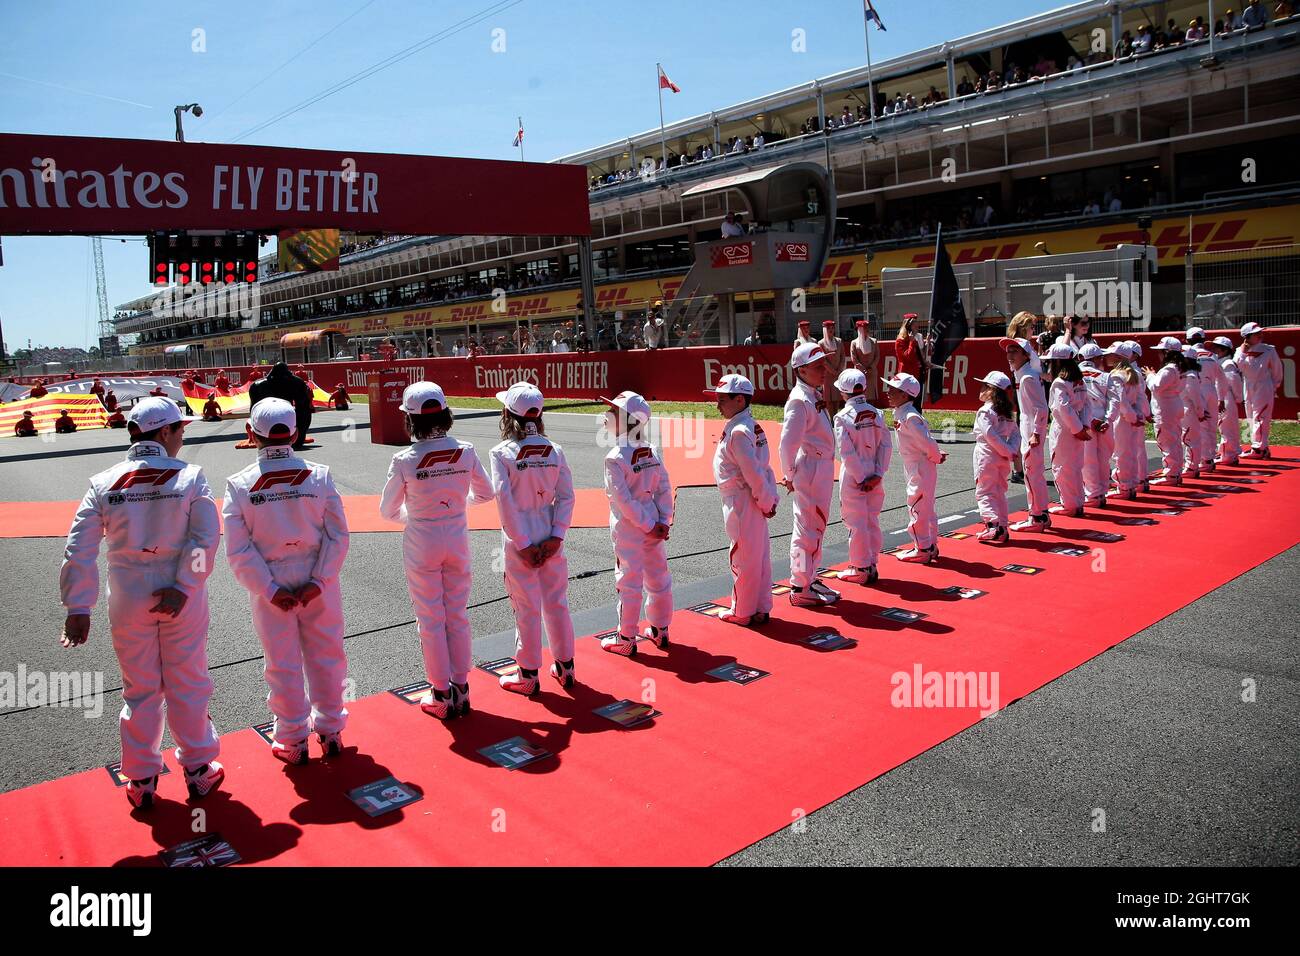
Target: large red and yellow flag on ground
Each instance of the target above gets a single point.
(85, 410)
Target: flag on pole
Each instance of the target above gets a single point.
(948, 325)
(870, 13)
(519, 137)
(667, 84)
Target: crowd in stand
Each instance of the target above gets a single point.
(1149, 39)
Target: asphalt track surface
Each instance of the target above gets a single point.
(1153, 732)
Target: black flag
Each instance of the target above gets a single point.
(947, 316)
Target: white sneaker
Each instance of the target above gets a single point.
(294, 754)
(201, 781)
(620, 645)
(460, 698)
(331, 745)
(141, 792)
(919, 555)
(859, 575)
(438, 703)
(827, 595)
(562, 671)
(658, 636)
(804, 597)
(727, 617)
(521, 682)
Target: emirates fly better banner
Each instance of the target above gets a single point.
(77, 185)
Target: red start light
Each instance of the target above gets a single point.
(161, 280)
(230, 277)
(184, 279)
(230, 266)
(162, 267)
(207, 267)
(184, 267)
(207, 279)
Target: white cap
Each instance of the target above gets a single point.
(1189, 351)
(733, 384)
(1060, 350)
(1090, 351)
(904, 383)
(1170, 344)
(1250, 328)
(1134, 347)
(851, 380)
(523, 399)
(631, 405)
(270, 412)
(1194, 331)
(419, 394)
(150, 414)
(1122, 349)
(1224, 342)
(806, 354)
(1023, 343)
(996, 379)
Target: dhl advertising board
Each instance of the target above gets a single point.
(1227, 232)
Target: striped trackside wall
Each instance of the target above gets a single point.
(85, 410)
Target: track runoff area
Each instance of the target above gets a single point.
(1095, 695)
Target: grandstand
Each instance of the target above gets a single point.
(1100, 123)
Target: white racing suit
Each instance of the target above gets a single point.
(1167, 396)
(1033, 421)
(1147, 413)
(640, 497)
(748, 489)
(1261, 373)
(1214, 389)
(1130, 438)
(1103, 402)
(534, 492)
(1194, 414)
(865, 450)
(1070, 407)
(285, 528)
(921, 457)
(429, 486)
(807, 453)
(1229, 419)
(996, 445)
(160, 520)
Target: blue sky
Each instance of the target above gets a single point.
(580, 72)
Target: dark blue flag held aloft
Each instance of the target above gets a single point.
(947, 316)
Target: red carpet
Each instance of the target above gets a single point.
(726, 764)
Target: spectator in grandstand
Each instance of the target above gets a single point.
(730, 227)
(983, 213)
(1231, 22)
(965, 87)
(1092, 207)
(1044, 68)
(1195, 30)
(653, 331)
(1254, 16)
(458, 349)
(1124, 47)
(582, 341)
(25, 427)
(557, 342)
(1173, 33)
(1284, 9)
(759, 141)
(1144, 38)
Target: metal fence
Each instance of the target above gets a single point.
(1227, 289)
